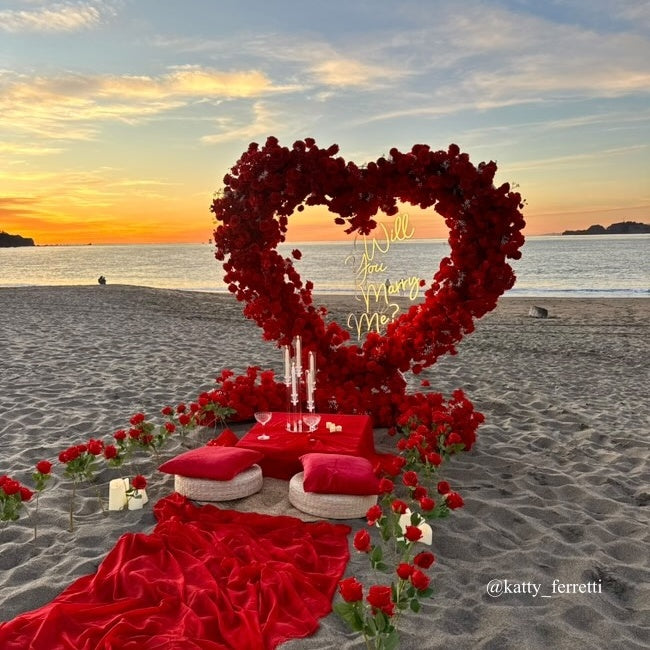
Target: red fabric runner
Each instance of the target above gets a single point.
(205, 578)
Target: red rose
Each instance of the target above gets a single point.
(404, 570)
(398, 506)
(410, 478)
(380, 597)
(454, 500)
(44, 467)
(362, 541)
(296, 253)
(424, 559)
(139, 482)
(181, 408)
(427, 503)
(95, 447)
(443, 487)
(412, 533)
(137, 418)
(119, 435)
(167, 411)
(184, 419)
(434, 458)
(25, 493)
(351, 590)
(374, 513)
(134, 433)
(110, 451)
(420, 492)
(170, 427)
(419, 580)
(10, 487)
(454, 439)
(386, 486)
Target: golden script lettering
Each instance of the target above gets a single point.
(376, 296)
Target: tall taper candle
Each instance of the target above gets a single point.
(312, 365)
(298, 342)
(287, 365)
(294, 392)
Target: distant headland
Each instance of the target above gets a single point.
(11, 241)
(620, 228)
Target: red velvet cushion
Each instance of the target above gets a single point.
(337, 474)
(217, 463)
(226, 438)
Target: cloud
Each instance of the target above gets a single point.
(73, 106)
(57, 17)
(262, 123)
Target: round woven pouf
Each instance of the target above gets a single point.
(202, 489)
(329, 506)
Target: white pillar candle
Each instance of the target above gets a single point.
(117, 493)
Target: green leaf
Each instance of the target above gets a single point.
(391, 641)
(415, 605)
(350, 615)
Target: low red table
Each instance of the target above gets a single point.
(283, 449)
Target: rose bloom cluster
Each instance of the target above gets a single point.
(269, 183)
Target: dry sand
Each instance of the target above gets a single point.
(556, 489)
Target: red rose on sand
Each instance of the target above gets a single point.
(351, 590)
(139, 482)
(25, 493)
(44, 467)
(167, 411)
(373, 514)
(170, 427)
(419, 580)
(425, 383)
(296, 253)
(454, 439)
(134, 433)
(424, 559)
(386, 486)
(443, 487)
(110, 451)
(404, 570)
(136, 419)
(119, 435)
(380, 597)
(434, 458)
(398, 506)
(410, 478)
(362, 541)
(420, 492)
(412, 533)
(95, 447)
(454, 500)
(427, 503)
(181, 408)
(184, 419)
(10, 486)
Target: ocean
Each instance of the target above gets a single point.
(596, 266)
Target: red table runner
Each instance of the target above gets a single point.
(205, 578)
(283, 449)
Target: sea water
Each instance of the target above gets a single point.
(572, 266)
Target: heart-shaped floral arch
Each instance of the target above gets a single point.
(269, 183)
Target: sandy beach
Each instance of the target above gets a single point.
(557, 488)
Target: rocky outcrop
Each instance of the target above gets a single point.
(620, 228)
(10, 241)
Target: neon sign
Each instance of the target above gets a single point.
(377, 295)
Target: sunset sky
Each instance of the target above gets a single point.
(119, 119)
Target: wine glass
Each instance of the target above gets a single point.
(263, 417)
(311, 420)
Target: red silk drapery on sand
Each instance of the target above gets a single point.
(205, 578)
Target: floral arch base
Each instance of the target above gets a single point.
(268, 184)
